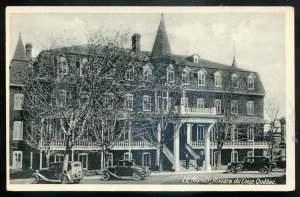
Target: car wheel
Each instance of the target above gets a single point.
(106, 176)
(239, 167)
(263, 171)
(230, 170)
(36, 179)
(137, 176)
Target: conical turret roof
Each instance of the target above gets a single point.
(161, 45)
(20, 50)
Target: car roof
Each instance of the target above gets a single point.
(127, 160)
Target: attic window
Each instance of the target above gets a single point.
(250, 81)
(62, 66)
(195, 59)
(185, 77)
(170, 74)
(234, 80)
(218, 79)
(147, 72)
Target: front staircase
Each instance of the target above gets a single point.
(168, 154)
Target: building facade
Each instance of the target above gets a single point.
(198, 92)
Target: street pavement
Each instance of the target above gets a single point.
(197, 177)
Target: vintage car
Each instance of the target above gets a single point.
(55, 173)
(126, 169)
(281, 162)
(260, 163)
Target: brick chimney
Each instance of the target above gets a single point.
(136, 45)
(28, 48)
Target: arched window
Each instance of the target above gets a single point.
(62, 66)
(170, 74)
(147, 72)
(185, 77)
(218, 79)
(200, 103)
(195, 59)
(201, 78)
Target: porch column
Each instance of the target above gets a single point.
(188, 133)
(41, 157)
(207, 147)
(129, 138)
(31, 159)
(158, 144)
(176, 148)
(72, 155)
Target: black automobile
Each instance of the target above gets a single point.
(281, 162)
(126, 169)
(258, 163)
(55, 173)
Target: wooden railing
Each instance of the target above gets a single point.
(198, 111)
(232, 143)
(87, 143)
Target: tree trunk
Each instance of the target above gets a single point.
(161, 165)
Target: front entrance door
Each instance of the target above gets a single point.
(17, 159)
(83, 158)
(146, 159)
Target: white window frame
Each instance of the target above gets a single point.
(170, 74)
(200, 103)
(218, 106)
(250, 108)
(232, 109)
(251, 82)
(129, 74)
(18, 130)
(185, 77)
(128, 99)
(195, 59)
(147, 72)
(185, 102)
(200, 133)
(14, 159)
(82, 63)
(62, 98)
(143, 160)
(235, 133)
(201, 78)
(234, 80)
(163, 98)
(129, 155)
(234, 156)
(87, 159)
(146, 103)
(57, 157)
(250, 133)
(63, 67)
(218, 79)
(18, 101)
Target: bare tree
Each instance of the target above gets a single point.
(72, 85)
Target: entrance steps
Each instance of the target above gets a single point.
(192, 165)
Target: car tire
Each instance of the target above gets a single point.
(239, 167)
(137, 176)
(263, 171)
(36, 179)
(231, 170)
(106, 176)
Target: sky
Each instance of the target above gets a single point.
(259, 37)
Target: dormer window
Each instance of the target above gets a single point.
(250, 81)
(147, 72)
(195, 58)
(129, 74)
(201, 78)
(170, 74)
(185, 77)
(62, 66)
(82, 64)
(218, 79)
(234, 80)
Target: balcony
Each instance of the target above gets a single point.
(235, 144)
(90, 145)
(197, 111)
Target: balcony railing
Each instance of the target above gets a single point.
(90, 144)
(197, 111)
(232, 143)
